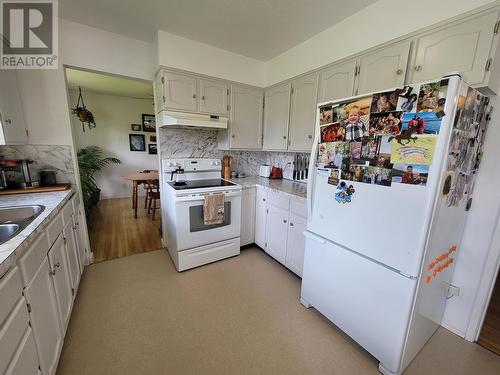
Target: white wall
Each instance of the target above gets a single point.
(376, 24)
(114, 116)
(479, 231)
(181, 53)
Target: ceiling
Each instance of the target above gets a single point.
(261, 29)
(107, 84)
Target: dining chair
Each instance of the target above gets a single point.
(154, 195)
(147, 186)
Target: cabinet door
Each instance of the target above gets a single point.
(213, 97)
(260, 217)
(179, 92)
(25, 360)
(303, 102)
(12, 125)
(72, 255)
(277, 227)
(463, 47)
(44, 318)
(384, 68)
(337, 82)
(276, 113)
(246, 118)
(296, 244)
(58, 262)
(247, 216)
(80, 237)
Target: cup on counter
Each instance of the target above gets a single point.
(234, 174)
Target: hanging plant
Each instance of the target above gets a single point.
(83, 114)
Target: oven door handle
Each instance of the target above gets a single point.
(201, 197)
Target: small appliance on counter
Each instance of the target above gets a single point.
(265, 171)
(276, 173)
(16, 173)
(48, 178)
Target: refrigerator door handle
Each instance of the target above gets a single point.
(314, 237)
(312, 166)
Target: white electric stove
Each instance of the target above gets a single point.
(189, 241)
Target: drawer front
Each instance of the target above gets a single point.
(11, 289)
(12, 333)
(54, 229)
(298, 207)
(31, 259)
(67, 212)
(25, 360)
(278, 200)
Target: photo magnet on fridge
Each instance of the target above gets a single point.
(385, 123)
(332, 133)
(332, 154)
(344, 192)
(325, 115)
(446, 183)
(333, 179)
(385, 101)
(422, 122)
(432, 97)
(354, 118)
(418, 150)
(410, 174)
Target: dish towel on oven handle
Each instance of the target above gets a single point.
(213, 209)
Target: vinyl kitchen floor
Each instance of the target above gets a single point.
(137, 315)
(115, 233)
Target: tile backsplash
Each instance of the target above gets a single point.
(202, 143)
(56, 158)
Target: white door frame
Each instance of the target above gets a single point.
(486, 285)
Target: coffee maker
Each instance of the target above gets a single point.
(15, 173)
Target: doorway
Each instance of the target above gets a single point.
(490, 332)
(114, 131)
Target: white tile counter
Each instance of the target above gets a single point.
(11, 250)
(295, 188)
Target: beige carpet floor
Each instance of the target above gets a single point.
(137, 315)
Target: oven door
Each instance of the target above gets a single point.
(190, 228)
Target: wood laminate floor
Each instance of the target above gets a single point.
(490, 333)
(115, 233)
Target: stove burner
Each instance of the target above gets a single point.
(201, 184)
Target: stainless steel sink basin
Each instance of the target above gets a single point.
(15, 218)
(19, 213)
(7, 231)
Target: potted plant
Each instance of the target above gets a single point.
(91, 161)
(83, 114)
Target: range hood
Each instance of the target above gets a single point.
(191, 120)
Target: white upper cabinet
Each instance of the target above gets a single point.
(463, 47)
(303, 102)
(276, 116)
(213, 97)
(337, 82)
(245, 125)
(179, 92)
(12, 124)
(383, 68)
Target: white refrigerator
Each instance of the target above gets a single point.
(392, 180)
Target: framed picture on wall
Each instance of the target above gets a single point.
(152, 138)
(136, 127)
(137, 142)
(148, 123)
(152, 149)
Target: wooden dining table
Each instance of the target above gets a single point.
(138, 179)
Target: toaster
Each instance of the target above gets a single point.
(265, 170)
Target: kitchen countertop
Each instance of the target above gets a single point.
(11, 250)
(298, 189)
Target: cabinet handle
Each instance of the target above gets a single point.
(263, 199)
(194, 96)
(291, 224)
(8, 121)
(203, 97)
(57, 265)
(399, 72)
(284, 137)
(418, 68)
(284, 221)
(233, 136)
(309, 136)
(52, 273)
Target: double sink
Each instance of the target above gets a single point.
(15, 218)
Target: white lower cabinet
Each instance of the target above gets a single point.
(296, 244)
(25, 360)
(72, 254)
(260, 217)
(247, 235)
(44, 318)
(280, 221)
(60, 272)
(277, 230)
